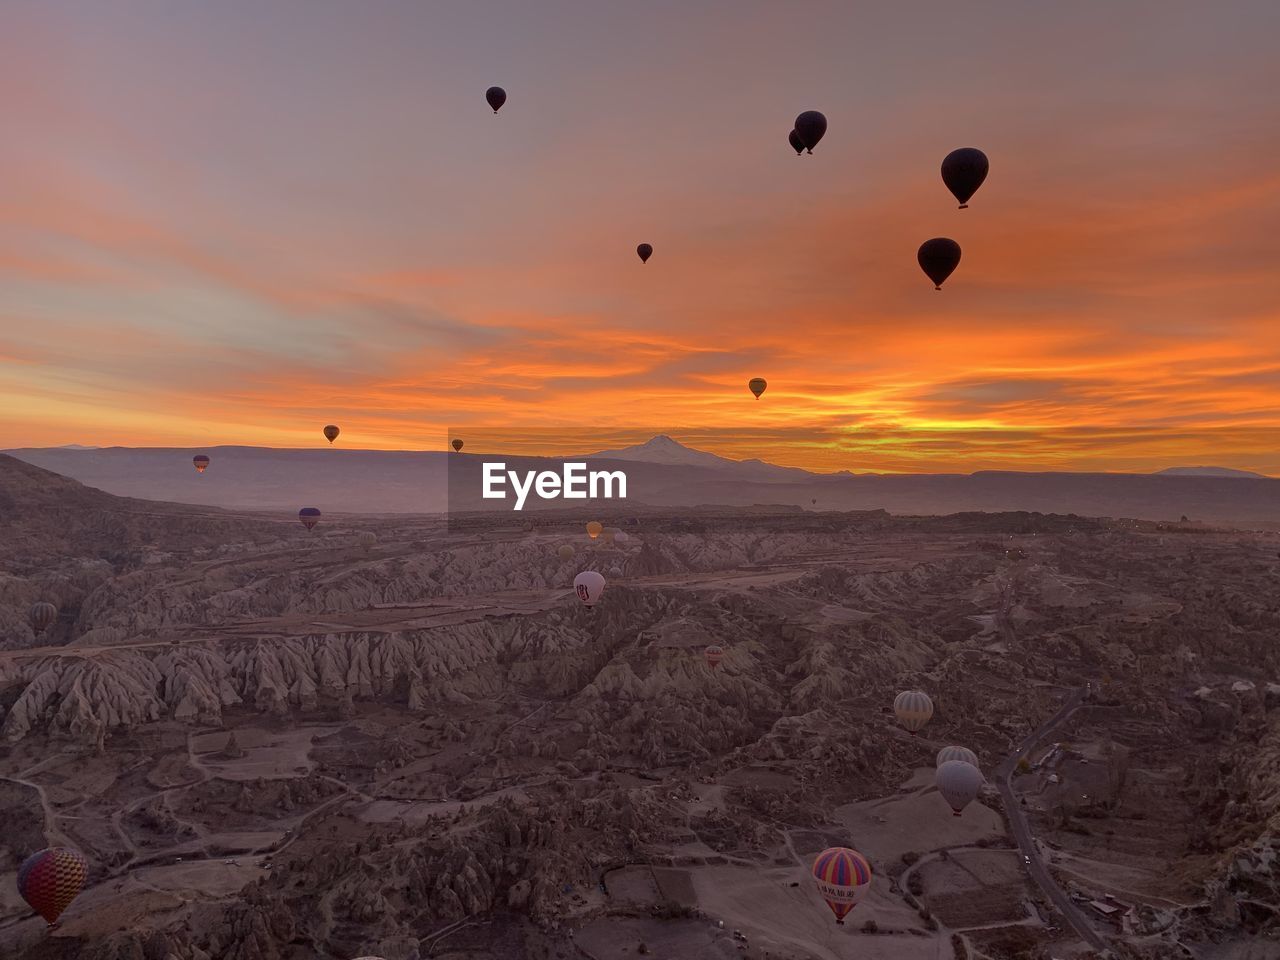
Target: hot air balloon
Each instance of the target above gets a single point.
(956, 753)
(963, 171)
(843, 877)
(814, 501)
(496, 97)
(457, 445)
(620, 537)
(201, 462)
(565, 552)
(331, 433)
(959, 782)
(609, 534)
(51, 879)
(588, 585)
(938, 258)
(810, 127)
(645, 251)
(41, 615)
(309, 516)
(367, 539)
(756, 385)
(913, 709)
(594, 528)
(714, 654)
(797, 144)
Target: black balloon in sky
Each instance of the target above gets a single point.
(938, 259)
(963, 171)
(797, 144)
(810, 126)
(496, 97)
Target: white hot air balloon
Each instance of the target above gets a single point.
(367, 539)
(913, 709)
(588, 585)
(957, 753)
(620, 538)
(959, 783)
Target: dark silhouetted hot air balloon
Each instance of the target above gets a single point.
(797, 144)
(714, 654)
(959, 782)
(309, 516)
(938, 258)
(588, 585)
(756, 385)
(913, 709)
(594, 528)
(963, 171)
(42, 615)
(331, 433)
(457, 445)
(496, 97)
(810, 127)
(51, 879)
(843, 877)
(956, 753)
(645, 251)
(201, 462)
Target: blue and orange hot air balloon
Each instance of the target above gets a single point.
(309, 516)
(201, 462)
(843, 877)
(51, 879)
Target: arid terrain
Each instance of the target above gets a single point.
(278, 745)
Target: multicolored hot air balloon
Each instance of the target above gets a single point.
(956, 753)
(564, 552)
(309, 516)
(843, 877)
(457, 445)
(959, 782)
(757, 386)
(963, 171)
(51, 879)
(938, 258)
(588, 585)
(714, 654)
(913, 709)
(810, 127)
(367, 540)
(645, 251)
(495, 97)
(42, 615)
(201, 462)
(594, 528)
(797, 144)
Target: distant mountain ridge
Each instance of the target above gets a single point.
(660, 473)
(1209, 472)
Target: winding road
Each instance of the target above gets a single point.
(1022, 832)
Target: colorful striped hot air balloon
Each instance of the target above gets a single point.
(51, 879)
(913, 709)
(309, 516)
(201, 462)
(42, 615)
(714, 654)
(956, 753)
(843, 877)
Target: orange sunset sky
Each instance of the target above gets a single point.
(235, 222)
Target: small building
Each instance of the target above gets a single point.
(1106, 910)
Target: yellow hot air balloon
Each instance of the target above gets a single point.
(756, 385)
(594, 528)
